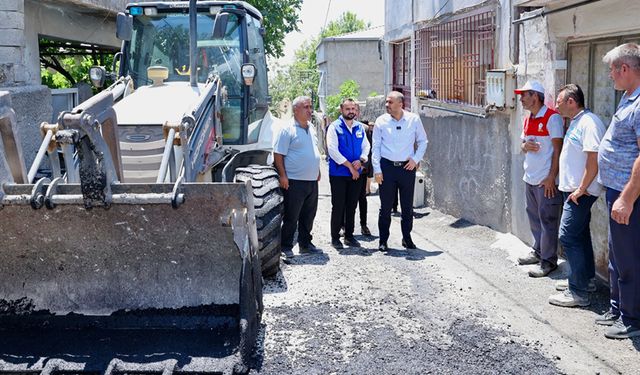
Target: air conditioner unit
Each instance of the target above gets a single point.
(499, 89)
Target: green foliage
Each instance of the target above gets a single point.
(280, 18)
(347, 23)
(348, 89)
(302, 76)
(373, 94)
(63, 65)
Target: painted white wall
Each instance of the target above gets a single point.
(426, 10)
(603, 18)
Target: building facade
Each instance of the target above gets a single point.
(355, 56)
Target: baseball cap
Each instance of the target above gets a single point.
(530, 86)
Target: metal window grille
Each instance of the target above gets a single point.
(402, 70)
(452, 59)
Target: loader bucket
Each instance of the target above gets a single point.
(139, 264)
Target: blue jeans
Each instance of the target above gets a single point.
(575, 237)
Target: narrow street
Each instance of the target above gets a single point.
(458, 304)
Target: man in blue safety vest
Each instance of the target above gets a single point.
(348, 149)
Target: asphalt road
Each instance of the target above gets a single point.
(458, 304)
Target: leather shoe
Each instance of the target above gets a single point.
(365, 230)
(336, 243)
(543, 270)
(351, 242)
(288, 253)
(383, 247)
(531, 258)
(408, 244)
(310, 248)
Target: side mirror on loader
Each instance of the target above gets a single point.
(248, 73)
(220, 25)
(124, 26)
(98, 75)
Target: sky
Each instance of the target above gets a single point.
(312, 18)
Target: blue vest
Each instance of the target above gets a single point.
(349, 145)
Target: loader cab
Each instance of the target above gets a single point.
(160, 37)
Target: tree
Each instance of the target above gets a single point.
(348, 89)
(64, 64)
(348, 22)
(302, 76)
(280, 17)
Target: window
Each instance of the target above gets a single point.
(452, 59)
(402, 70)
(586, 69)
(258, 101)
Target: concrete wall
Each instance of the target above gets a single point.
(7, 124)
(101, 5)
(478, 151)
(426, 10)
(358, 60)
(22, 22)
(32, 105)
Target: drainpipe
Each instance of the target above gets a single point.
(193, 46)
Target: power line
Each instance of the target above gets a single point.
(326, 16)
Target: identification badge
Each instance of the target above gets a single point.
(359, 134)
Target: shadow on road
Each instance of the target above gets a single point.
(362, 251)
(420, 215)
(276, 284)
(461, 223)
(319, 259)
(415, 254)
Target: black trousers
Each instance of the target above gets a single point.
(300, 206)
(344, 199)
(362, 200)
(396, 178)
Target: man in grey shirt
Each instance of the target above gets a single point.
(297, 160)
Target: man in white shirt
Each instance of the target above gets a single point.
(395, 159)
(348, 149)
(541, 142)
(580, 189)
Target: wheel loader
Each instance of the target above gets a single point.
(144, 248)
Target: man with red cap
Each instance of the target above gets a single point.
(541, 142)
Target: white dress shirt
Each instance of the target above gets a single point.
(395, 140)
(332, 141)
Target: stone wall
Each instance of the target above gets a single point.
(373, 108)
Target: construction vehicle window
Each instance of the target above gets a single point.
(258, 103)
(163, 40)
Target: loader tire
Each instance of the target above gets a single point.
(269, 205)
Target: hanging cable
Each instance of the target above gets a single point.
(326, 16)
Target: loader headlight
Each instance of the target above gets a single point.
(150, 11)
(97, 74)
(248, 73)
